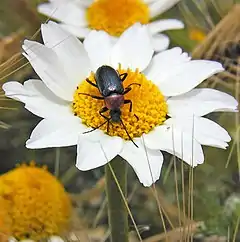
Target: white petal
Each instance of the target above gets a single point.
(99, 45)
(46, 64)
(165, 24)
(174, 141)
(201, 101)
(15, 91)
(163, 62)
(85, 3)
(161, 6)
(92, 154)
(133, 49)
(12, 239)
(80, 32)
(57, 1)
(183, 78)
(70, 52)
(57, 132)
(55, 239)
(146, 163)
(149, 1)
(160, 42)
(66, 12)
(38, 98)
(27, 240)
(206, 132)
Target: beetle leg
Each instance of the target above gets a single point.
(89, 131)
(134, 83)
(136, 117)
(93, 96)
(103, 110)
(130, 102)
(128, 88)
(130, 109)
(91, 83)
(123, 76)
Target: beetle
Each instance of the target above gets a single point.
(110, 85)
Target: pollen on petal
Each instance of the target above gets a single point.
(149, 108)
(115, 16)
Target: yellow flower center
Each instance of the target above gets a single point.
(37, 203)
(5, 221)
(115, 16)
(149, 108)
(197, 35)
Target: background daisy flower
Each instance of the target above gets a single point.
(5, 221)
(80, 17)
(36, 203)
(169, 108)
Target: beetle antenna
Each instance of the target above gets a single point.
(128, 133)
(89, 131)
(92, 96)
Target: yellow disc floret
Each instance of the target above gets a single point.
(149, 108)
(37, 203)
(115, 16)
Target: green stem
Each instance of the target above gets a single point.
(117, 212)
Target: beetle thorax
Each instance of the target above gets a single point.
(114, 101)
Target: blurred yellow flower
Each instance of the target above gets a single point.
(196, 35)
(5, 221)
(38, 205)
(115, 17)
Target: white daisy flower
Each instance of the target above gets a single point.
(79, 17)
(165, 103)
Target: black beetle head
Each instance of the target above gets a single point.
(115, 115)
